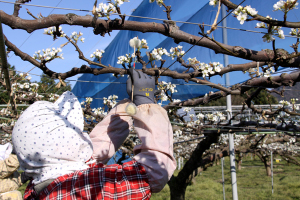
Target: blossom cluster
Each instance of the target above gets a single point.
(88, 100)
(295, 32)
(125, 59)
(111, 101)
(51, 30)
(290, 146)
(159, 2)
(104, 10)
(183, 150)
(213, 2)
(32, 87)
(134, 43)
(156, 54)
(267, 73)
(275, 30)
(285, 103)
(242, 13)
(97, 54)
(77, 36)
(5, 111)
(293, 100)
(53, 97)
(215, 117)
(25, 76)
(206, 69)
(48, 54)
(176, 52)
(291, 106)
(31, 94)
(165, 87)
(211, 68)
(285, 6)
(99, 111)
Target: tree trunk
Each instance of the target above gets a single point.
(179, 183)
(177, 190)
(239, 164)
(265, 159)
(239, 160)
(217, 161)
(268, 167)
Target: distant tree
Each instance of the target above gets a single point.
(262, 98)
(4, 97)
(47, 85)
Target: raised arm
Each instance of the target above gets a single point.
(111, 132)
(153, 127)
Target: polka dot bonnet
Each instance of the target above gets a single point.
(49, 139)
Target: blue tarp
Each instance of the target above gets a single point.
(190, 11)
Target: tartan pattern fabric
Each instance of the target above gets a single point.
(127, 181)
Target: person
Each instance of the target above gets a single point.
(10, 179)
(66, 163)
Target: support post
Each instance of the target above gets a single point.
(232, 167)
(272, 171)
(223, 180)
(229, 109)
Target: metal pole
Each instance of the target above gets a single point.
(5, 70)
(223, 181)
(232, 167)
(226, 62)
(228, 106)
(272, 171)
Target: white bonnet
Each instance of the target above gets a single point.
(49, 141)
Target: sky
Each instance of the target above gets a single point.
(30, 43)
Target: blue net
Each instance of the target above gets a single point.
(190, 11)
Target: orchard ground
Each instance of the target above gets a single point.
(252, 181)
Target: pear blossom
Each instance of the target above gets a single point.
(97, 54)
(284, 103)
(242, 13)
(157, 54)
(135, 42)
(159, 2)
(285, 6)
(261, 25)
(48, 54)
(268, 38)
(213, 2)
(77, 36)
(295, 32)
(88, 100)
(51, 30)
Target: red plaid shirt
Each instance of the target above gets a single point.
(127, 181)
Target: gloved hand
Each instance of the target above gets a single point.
(144, 86)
